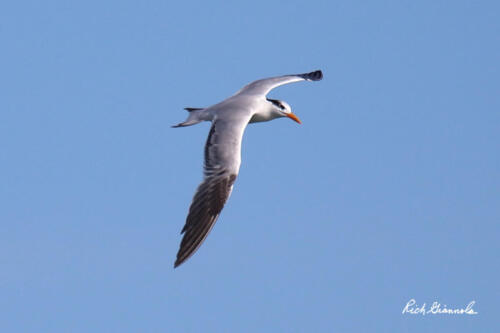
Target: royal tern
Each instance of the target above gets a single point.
(223, 150)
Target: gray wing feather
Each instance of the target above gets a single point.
(222, 161)
(207, 204)
(264, 86)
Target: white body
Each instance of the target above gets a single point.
(223, 150)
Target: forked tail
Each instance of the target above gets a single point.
(195, 117)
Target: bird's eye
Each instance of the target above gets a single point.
(278, 104)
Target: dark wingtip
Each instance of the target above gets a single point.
(180, 260)
(313, 76)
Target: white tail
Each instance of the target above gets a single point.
(195, 117)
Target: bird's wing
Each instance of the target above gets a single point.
(264, 86)
(222, 163)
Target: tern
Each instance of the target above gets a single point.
(223, 150)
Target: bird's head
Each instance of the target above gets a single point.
(282, 109)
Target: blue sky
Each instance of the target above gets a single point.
(388, 191)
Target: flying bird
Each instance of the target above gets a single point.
(223, 150)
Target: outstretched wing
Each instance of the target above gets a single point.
(264, 86)
(222, 163)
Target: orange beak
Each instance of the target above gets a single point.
(293, 117)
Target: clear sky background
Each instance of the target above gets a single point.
(388, 191)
